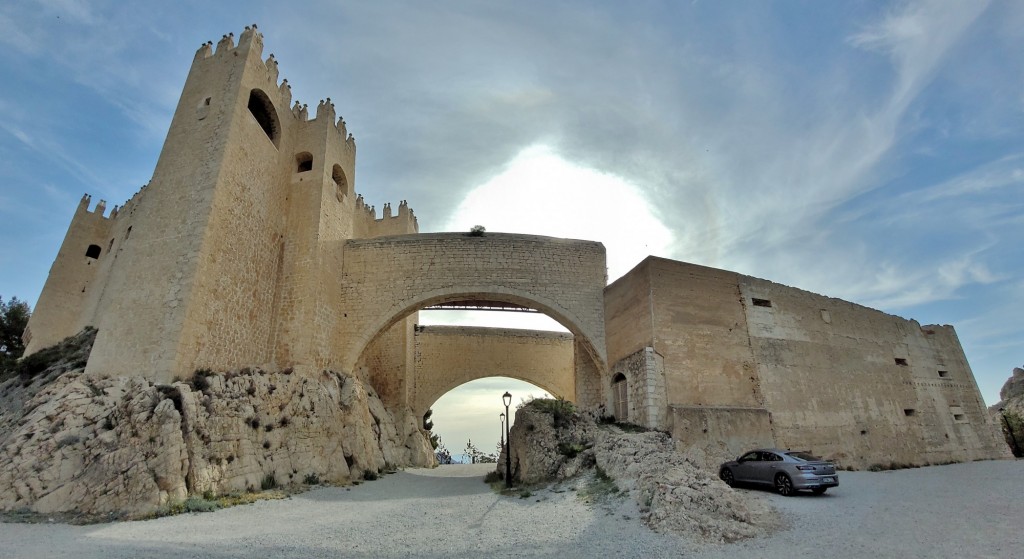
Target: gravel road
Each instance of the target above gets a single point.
(962, 510)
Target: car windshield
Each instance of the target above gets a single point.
(803, 456)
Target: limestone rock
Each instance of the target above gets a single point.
(674, 494)
(548, 446)
(1012, 395)
(1014, 387)
(125, 446)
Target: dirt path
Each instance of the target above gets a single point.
(962, 510)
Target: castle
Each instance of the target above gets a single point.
(250, 247)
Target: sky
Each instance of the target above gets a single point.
(871, 151)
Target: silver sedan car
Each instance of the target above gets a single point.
(787, 471)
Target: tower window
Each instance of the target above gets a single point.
(761, 302)
(263, 111)
(909, 412)
(303, 162)
(93, 251)
(338, 175)
(900, 361)
(943, 374)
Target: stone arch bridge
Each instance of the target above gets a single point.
(385, 281)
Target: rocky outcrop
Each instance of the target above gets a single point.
(124, 446)
(1008, 413)
(1012, 394)
(549, 442)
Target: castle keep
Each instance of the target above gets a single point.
(251, 247)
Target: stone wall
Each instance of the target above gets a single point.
(863, 386)
(828, 376)
(710, 435)
(203, 239)
(74, 279)
(387, 278)
(448, 356)
(645, 378)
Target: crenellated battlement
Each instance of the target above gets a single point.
(389, 223)
(98, 211)
(327, 115)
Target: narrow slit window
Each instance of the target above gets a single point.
(761, 302)
(902, 362)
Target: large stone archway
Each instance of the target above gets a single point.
(386, 280)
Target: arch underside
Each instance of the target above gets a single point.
(450, 356)
(484, 298)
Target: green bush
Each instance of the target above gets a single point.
(200, 380)
(560, 409)
(269, 482)
(72, 352)
(200, 504)
(571, 450)
(311, 479)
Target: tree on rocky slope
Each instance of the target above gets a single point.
(13, 319)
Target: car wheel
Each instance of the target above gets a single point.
(819, 490)
(726, 475)
(784, 485)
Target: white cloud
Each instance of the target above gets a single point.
(916, 37)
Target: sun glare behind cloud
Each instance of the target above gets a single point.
(540, 193)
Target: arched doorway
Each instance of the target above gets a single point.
(620, 397)
(471, 412)
(411, 364)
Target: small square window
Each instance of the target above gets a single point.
(958, 417)
(909, 412)
(761, 302)
(901, 361)
(943, 374)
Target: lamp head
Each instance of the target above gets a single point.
(507, 398)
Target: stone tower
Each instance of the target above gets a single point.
(219, 261)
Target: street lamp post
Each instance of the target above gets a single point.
(507, 399)
(502, 417)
